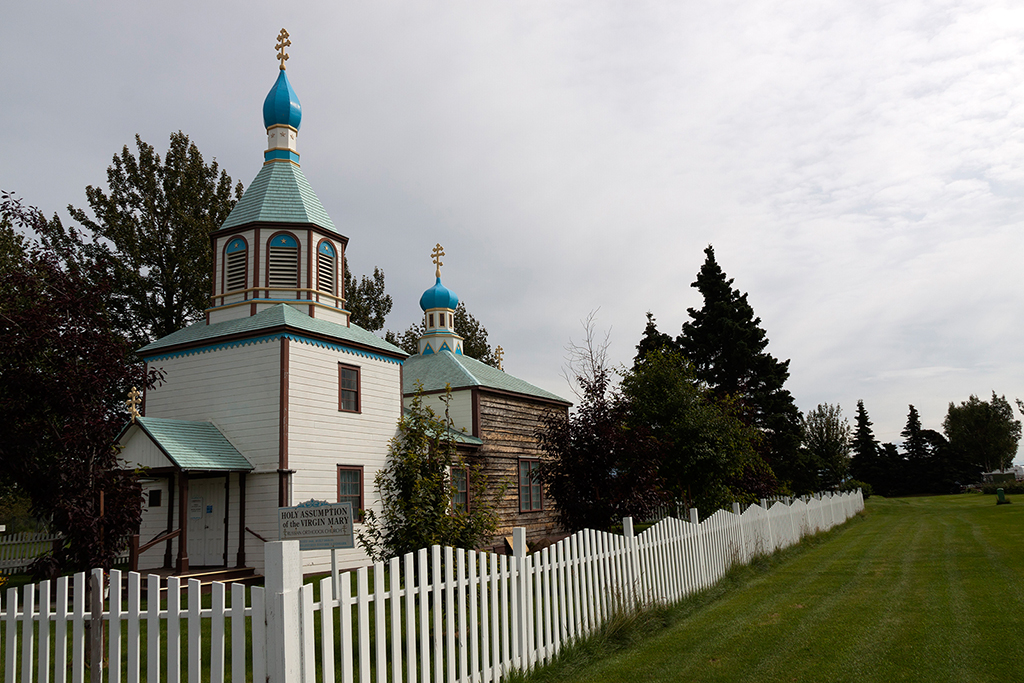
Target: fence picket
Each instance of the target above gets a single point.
(237, 631)
(217, 604)
(173, 629)
(153, 629)
(363, 615)
(396, 620)
(422, 583)
(326, 628)
(410, 619)
(134, 644)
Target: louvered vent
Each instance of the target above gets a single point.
(325, 273)
(235, 271)
(284, 267)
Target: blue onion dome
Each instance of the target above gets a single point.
(438, 296)
(282, 105)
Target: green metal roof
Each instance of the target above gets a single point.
(280, 193)
(441, 369)
(193, 445)
(277, 316)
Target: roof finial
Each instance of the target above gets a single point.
(282, 43)
(134, 398)
(436, 254)
(499, 353)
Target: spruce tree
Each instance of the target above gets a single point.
(867, 463)
(726, 344)
(653, 340)
(917, 452)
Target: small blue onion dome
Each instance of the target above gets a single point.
(282, 105)
(438, 296)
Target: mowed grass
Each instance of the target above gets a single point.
(915, 589)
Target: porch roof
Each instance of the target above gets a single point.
(188, 445)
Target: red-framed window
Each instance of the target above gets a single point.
(460, 488)
(349, 396)
(326, 267)
(531, 497)
(350, 489)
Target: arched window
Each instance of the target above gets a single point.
(283, 261)
(326, 267)
(235, 264)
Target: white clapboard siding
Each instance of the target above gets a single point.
(323, 437)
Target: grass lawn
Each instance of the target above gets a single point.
(915, 589)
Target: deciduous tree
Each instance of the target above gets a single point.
(983, 435)
(152, 228)
(704, 444)
(416, 492)
(64, 373)
(827, 439)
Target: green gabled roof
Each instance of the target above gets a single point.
(276, 317)
(438, 370)
(280, 193)
(193, 445)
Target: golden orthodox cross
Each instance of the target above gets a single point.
(436, 255)
(499, 353)
(282, 43)
(134, 399)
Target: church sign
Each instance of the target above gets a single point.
(317, 525)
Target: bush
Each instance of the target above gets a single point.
(1008, 487)
(853, 485)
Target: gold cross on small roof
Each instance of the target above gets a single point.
(499, 353)
(134, 399)
(436, 255)
(282, 43)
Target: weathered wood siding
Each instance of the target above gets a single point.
(509, 427)
(321, 437)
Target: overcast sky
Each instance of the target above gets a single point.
(857, 165)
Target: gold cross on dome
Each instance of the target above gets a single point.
(134, 399)
(499, 353)
(436, 255)
(282, 43)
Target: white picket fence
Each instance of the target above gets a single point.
(440, 614)
(17, 551)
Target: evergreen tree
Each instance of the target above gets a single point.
(916, 450)
(865, 465)
(366, 299)
(726, 344)
(153, 229)
(653, 340)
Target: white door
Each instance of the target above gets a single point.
(206, 522)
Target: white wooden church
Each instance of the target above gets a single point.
(277, 398)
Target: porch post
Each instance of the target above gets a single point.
(182, 566)
(241, 520)
(170, 519)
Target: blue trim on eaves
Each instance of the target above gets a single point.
(271, 337)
